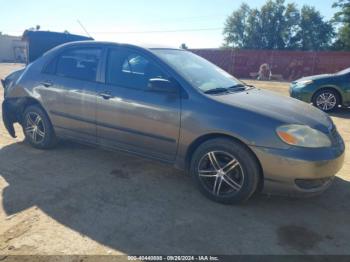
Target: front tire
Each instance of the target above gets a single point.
(225, 171)
(37, 128)
(327, 100)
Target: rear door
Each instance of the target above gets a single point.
(70, 92)
(132, 117)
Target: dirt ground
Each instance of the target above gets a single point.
(80, 200)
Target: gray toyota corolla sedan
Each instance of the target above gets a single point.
(172, 105)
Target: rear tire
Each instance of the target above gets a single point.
(225, 171)
(37, 128)
(326, 100)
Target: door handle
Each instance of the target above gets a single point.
(46, 83)
(105, 95)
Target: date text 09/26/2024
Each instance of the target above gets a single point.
(173, 258)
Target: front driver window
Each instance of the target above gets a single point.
(130, 69)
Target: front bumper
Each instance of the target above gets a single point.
(299, 171)
(300, 93)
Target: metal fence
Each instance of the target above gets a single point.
(284, 65)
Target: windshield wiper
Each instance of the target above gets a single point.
(216, 90)
(234, 88)
(237, 86)
(241, 87)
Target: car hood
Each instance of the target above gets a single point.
(315, 77)
(284, 109)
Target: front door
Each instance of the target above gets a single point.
(132, 117)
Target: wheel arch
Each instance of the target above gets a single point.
(200, 140)
(13, 109)
(18, 105)
(24, 102)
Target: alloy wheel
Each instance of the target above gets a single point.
(220, 173)
(34, 127)
(326, 101)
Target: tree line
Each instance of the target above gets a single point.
(281, 26)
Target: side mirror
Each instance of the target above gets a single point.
(162, 85)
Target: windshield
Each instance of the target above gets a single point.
(199, 72)
(345, 71)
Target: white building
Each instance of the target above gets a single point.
(12, 49)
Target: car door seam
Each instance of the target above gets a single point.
(112, 126)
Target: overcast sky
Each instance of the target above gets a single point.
(198, 23)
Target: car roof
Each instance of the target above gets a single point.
(106, 43)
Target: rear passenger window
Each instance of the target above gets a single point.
(79, 63)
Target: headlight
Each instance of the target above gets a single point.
(303, 83)
(302, 135)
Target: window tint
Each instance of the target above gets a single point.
(79, 63)
(135, 64)
(50, 67)
(130, 69)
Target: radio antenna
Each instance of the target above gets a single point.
(83, 28)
